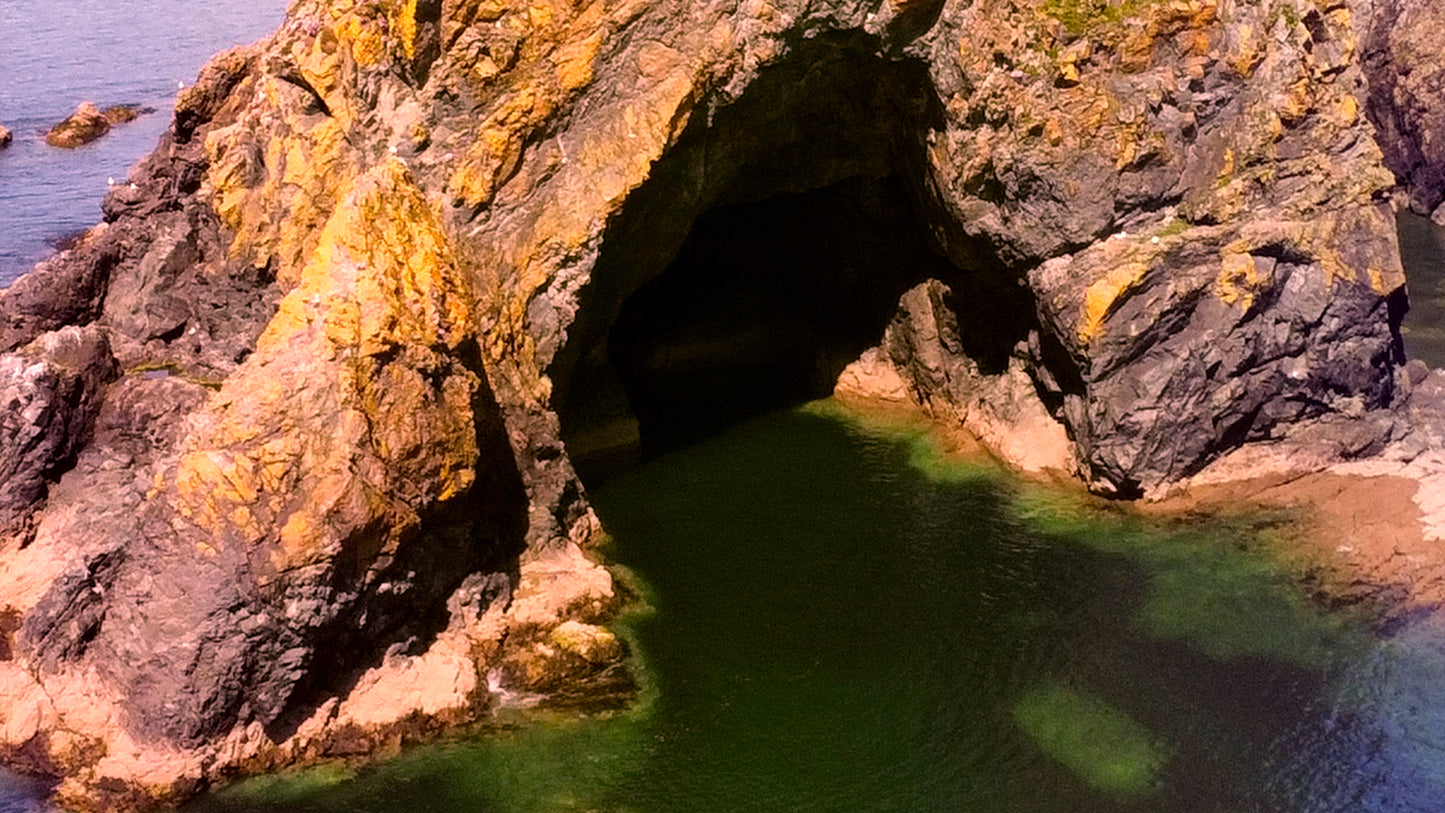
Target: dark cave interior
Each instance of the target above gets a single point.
(768, 249)
(764, 306)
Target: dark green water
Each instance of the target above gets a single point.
(1422, 248)
(842, 621)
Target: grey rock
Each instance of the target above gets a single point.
(1157, 255)
(50, 392)
(1407, 94)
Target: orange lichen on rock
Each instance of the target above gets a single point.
(614, 159)
(403, 24)
(359, 371)
(277, 201)
(1239, 280)
(1101, 296)
(495, 153)
(1347, 111)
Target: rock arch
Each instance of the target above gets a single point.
(768, 248)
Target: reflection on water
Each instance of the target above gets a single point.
(54, 55)
(1422, 247)
(843, 620)
(19, 794)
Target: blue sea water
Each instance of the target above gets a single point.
(55, 54)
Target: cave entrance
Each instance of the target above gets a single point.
(764, 306)
(768, 249)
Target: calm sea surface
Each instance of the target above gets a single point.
(1422, 245)
(55, 54)
(842, 621)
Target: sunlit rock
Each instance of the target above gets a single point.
(387, 262)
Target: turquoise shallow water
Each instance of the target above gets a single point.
(842, 621)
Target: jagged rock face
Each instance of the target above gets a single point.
(378, 252)
(52, 387)
(1407, 95)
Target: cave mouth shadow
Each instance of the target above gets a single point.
(765, 305)
(767, 250)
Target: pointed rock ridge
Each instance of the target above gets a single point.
(308, 492)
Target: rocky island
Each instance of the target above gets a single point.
(89, 122)
(287, 443)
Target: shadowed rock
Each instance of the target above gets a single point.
(53, 388)
(1406, 102)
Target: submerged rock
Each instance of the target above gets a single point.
(385, 256)
(124, 113)
(88, 123)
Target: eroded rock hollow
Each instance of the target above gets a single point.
(766, 251)
(284, 472)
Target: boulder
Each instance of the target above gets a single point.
(5, 136)
(83, 126)
(88, 123)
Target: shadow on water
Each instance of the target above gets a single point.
(1422, 248)
(19, 794)
(841, 619)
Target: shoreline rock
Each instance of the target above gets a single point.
(89, 123)
(360, 294)
(1405, 103)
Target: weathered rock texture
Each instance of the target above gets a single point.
(1407, 95)
(89, 122)
(307, 491)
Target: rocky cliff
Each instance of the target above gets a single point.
(284, 473)
(1407, 95)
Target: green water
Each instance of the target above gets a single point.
(1422, 248)
(841, 620)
